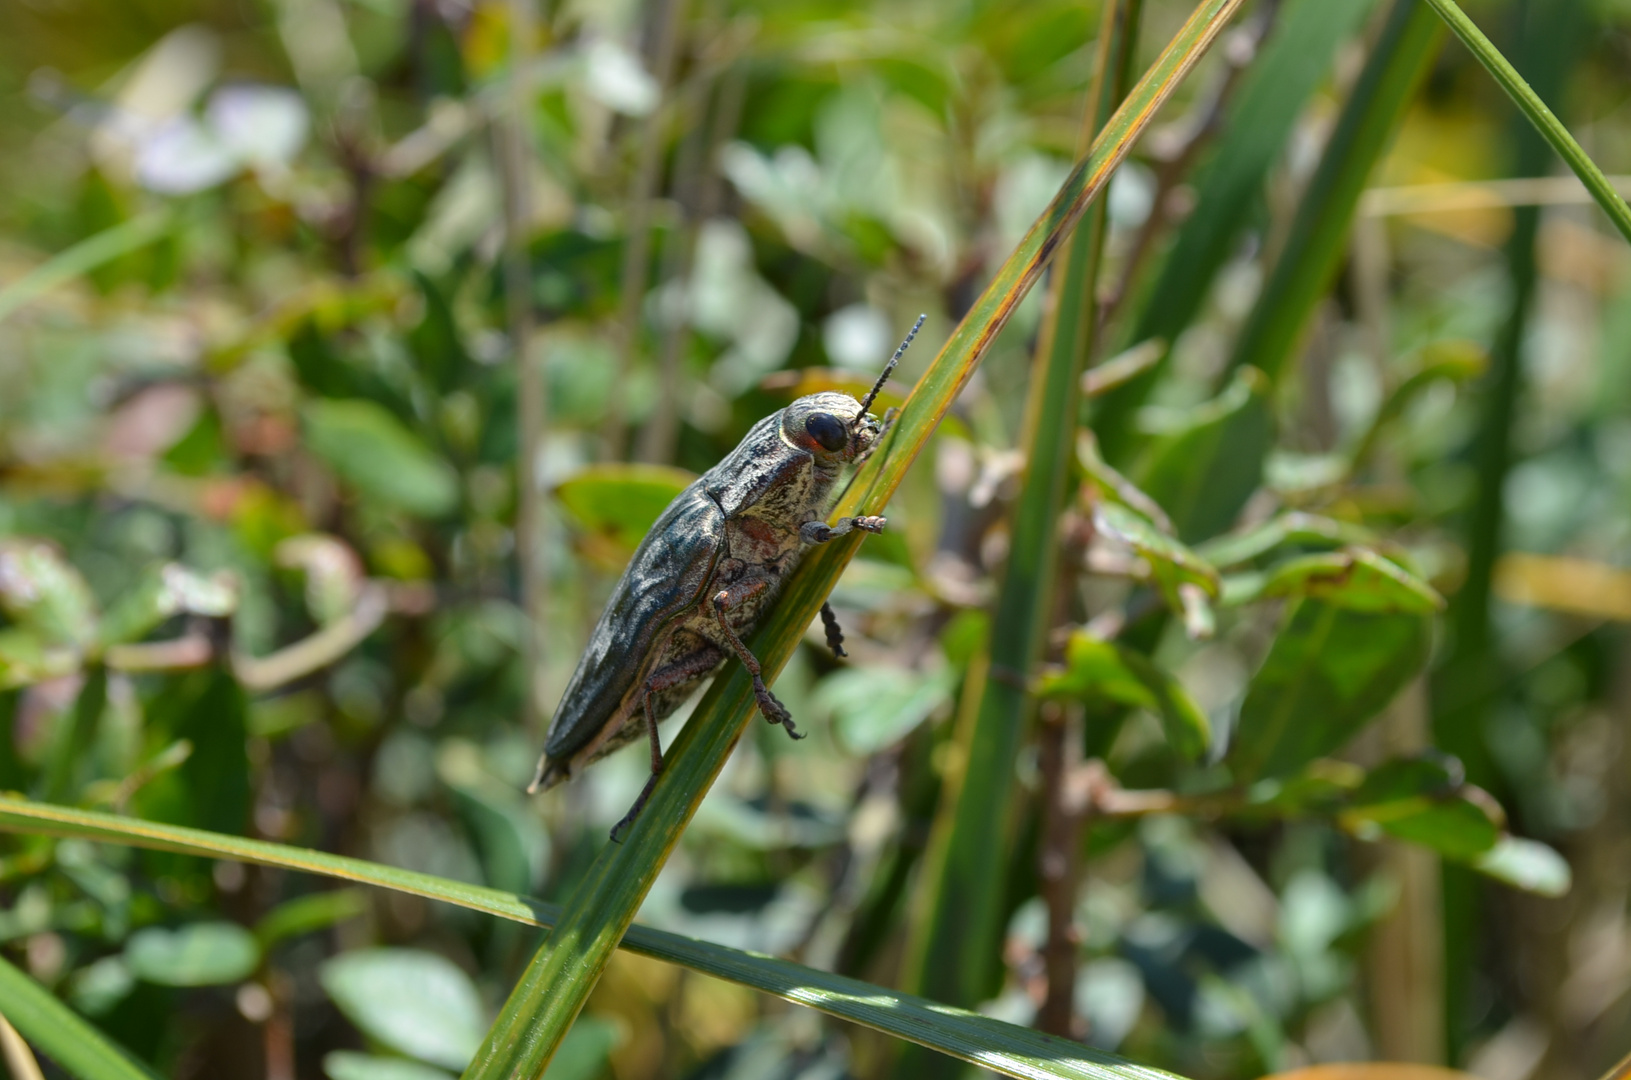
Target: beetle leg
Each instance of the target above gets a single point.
(656, 767)
(835, 633)
(667, 678)
(819, 532)
(773, 710)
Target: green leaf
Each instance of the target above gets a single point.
(618, 502)
(41, 592)
(1456, 829)
(350, 1065)
(1205, 463)
(309, 914)
(1295, 527)
(993, 1044)
(49, 1025)
(514, 844)
(1171, 563)
(415, 1002)
(164, 592)
(876, 706)
(1528, 865)
(584, 1052)
(370, 449)
(1097, 670)
(73, 741)
(203, 954)
(1329, 671)
(1355, 579)
(25, 659)
(83, 257)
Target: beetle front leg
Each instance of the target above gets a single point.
(725, 600)
(819, 532)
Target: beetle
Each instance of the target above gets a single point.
(711, 565)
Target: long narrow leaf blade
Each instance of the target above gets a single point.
(1524, 96)
(62, 1034)
(558, 981)
(1313, 250)
(992, 1044)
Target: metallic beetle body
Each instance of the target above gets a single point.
(718, 554)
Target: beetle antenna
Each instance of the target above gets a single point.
(866, 402)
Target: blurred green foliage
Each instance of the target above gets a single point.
(261, 554)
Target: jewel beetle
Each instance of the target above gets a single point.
(698, 583)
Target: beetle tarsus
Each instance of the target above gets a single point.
(773, 710)
(835, 633)
(628, 819)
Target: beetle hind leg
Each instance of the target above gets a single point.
(769, 705)
(682, 671)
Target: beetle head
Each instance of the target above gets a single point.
(830, 425)
(835, 426)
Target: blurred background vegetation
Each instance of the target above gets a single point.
(340, 371)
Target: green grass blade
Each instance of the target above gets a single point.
(82, 258)
(953, 949)
(1272, 96)
(1004, 1048)
(55, 1030)
(1539, 115)
(563, 973)
(1319, 233)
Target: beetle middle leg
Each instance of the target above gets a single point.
(835, 633)
(725, 600)
(682, 671)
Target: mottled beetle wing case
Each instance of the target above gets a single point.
(669, 570)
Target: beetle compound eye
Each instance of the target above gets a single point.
(828, 430)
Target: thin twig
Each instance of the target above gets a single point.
(637, 234)
(513, 132)
(698, 190)
(318, 651)
(1066, 801)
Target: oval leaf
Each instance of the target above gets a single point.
(42, 592)
(1171, 562)
(204, 954)
(1328, 673)
(875, 707)
(1102, 670)
(1528, 865)
(371, 450)
(617, 503)
(1205, 463)
(418, 1003)
(1356, 579)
